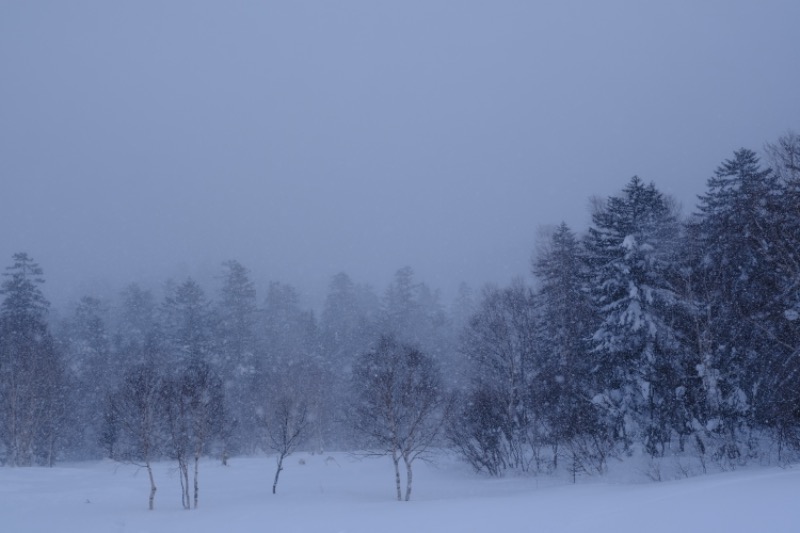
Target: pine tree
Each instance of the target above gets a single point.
(400, 306)
(631, 259)
(289, 332)
(566, 321)
(31, 371)
(138, 335)
(292, 354)
(567, 309)
(732, 237)
(347, 328)
(235, 354)
(414, 314)
(779, 410)
(237, 317)
(345, 324)
(93, 373)
(187, 323)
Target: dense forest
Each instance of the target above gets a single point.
(650, 332)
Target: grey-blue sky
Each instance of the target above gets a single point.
(141, 140)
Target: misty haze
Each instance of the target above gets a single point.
(283, 263)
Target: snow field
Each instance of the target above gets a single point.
(350, 495)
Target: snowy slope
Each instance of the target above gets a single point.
(352, 495)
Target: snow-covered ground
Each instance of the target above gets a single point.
(348, 494)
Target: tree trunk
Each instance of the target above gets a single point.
(196, 485)
(51, 449)
(555, 456)
(408, 477)
(396, 461)
(183, 469)
(277, 473)
(186, 499)
(152, 485)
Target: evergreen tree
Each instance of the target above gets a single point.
(637, 345)
(31, 371)
(400, 306)
(235, 350)
(745, 266)
(414, 314)
(187, 323)
(237, 316)
(347, 328)
(464, 306)
(566, 322)
(780, 410)
(736, 282)
(292, 353)
(290, 333)
(138, 337)
(346, 323)
(93, 374)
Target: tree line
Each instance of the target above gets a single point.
(650, 332)
(140, 379)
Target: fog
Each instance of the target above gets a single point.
(146, 140)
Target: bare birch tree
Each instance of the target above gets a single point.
(135, 415)
(193, 409)
(285, 426)
(399, 405)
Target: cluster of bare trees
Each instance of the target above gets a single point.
(399, 404)
(178, 415)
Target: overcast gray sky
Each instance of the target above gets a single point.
(142, 140)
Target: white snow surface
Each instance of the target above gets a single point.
(353, 494)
